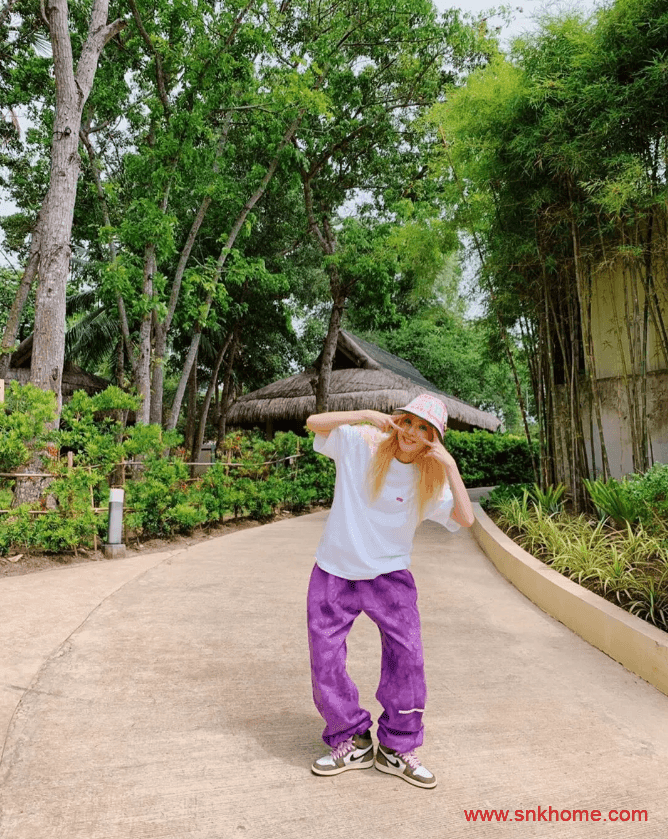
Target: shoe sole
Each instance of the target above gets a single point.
(367, 764)
(391, 770)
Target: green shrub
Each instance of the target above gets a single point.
(550, 499)
(91, 429)
(23, 424)
(614, 499)
(486, 459)
(627, 566)
(152, 498)
(650, 491)
(504, 493)
(16, 530)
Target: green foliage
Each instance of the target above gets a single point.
(254, 477)
(24, 417)
(550, 499)
(650, 492)
(486, 459)
(160, 501)
(550, 160)
(502, 494)
(458, 357)
(627, 566)
(91, 427)
(613, 498)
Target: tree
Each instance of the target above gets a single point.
(393, 69)
(73, 87)
(555, 155)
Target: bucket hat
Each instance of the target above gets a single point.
(428, 408)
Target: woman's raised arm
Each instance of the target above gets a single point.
(324, 423)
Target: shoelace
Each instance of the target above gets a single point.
(343, 748)
(411, 759)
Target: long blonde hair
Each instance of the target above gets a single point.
(430, 479)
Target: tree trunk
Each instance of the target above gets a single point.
(584, 298)
(120, 303)
(213, 385)
(328, 352)
(502, 330)
(72, 91)
(227, 385)
(191, 416)
(14, 319)
(161, 330)
(143, 376)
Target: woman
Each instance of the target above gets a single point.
(390, 475)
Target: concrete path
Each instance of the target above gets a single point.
(170, 697)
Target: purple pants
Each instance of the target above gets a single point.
(390, 600)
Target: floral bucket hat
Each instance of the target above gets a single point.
(427, 408)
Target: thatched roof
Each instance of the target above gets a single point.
(363, 376)
(74, 378)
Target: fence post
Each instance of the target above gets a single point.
(114, 547)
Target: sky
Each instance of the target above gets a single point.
(524, 12)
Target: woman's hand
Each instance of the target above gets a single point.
(382, 421)
(462, 511)
(440, 453)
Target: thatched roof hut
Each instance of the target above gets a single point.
(363, 376)
(74, 378)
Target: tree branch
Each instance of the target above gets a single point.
(159, 72)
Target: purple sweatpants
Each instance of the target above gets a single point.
(390, 600)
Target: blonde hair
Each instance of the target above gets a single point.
(430, 479)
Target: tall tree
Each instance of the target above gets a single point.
(560, 151)
(396, 68)
(73, 86)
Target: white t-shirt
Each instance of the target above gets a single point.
(364, 539)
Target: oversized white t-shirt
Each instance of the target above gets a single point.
(363, 539)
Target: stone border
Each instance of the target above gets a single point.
(634, 643)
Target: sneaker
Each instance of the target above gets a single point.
(354, 753)
(405, 765)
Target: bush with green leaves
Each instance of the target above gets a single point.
(627, 566)
(162, 501)
(504, 493)
(24, 419)
(252, 476)
(549, 500)
(486, 459)
(650, 492)
(614, 500)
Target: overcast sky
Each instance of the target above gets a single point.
(524, 11)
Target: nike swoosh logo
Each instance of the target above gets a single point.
(395, 763)
(359, 757)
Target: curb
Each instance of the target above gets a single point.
(634, 643)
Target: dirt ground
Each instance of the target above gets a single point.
(28, 562)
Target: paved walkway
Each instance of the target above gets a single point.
(169, 696)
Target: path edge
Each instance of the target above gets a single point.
(635, 644)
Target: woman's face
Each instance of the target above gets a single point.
(413, 435)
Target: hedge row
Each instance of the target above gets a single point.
(253, 477)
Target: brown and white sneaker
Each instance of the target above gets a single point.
(406, 765)
(354, 753)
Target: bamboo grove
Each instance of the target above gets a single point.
(554, 160)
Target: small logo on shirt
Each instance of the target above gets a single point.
(399, 499)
